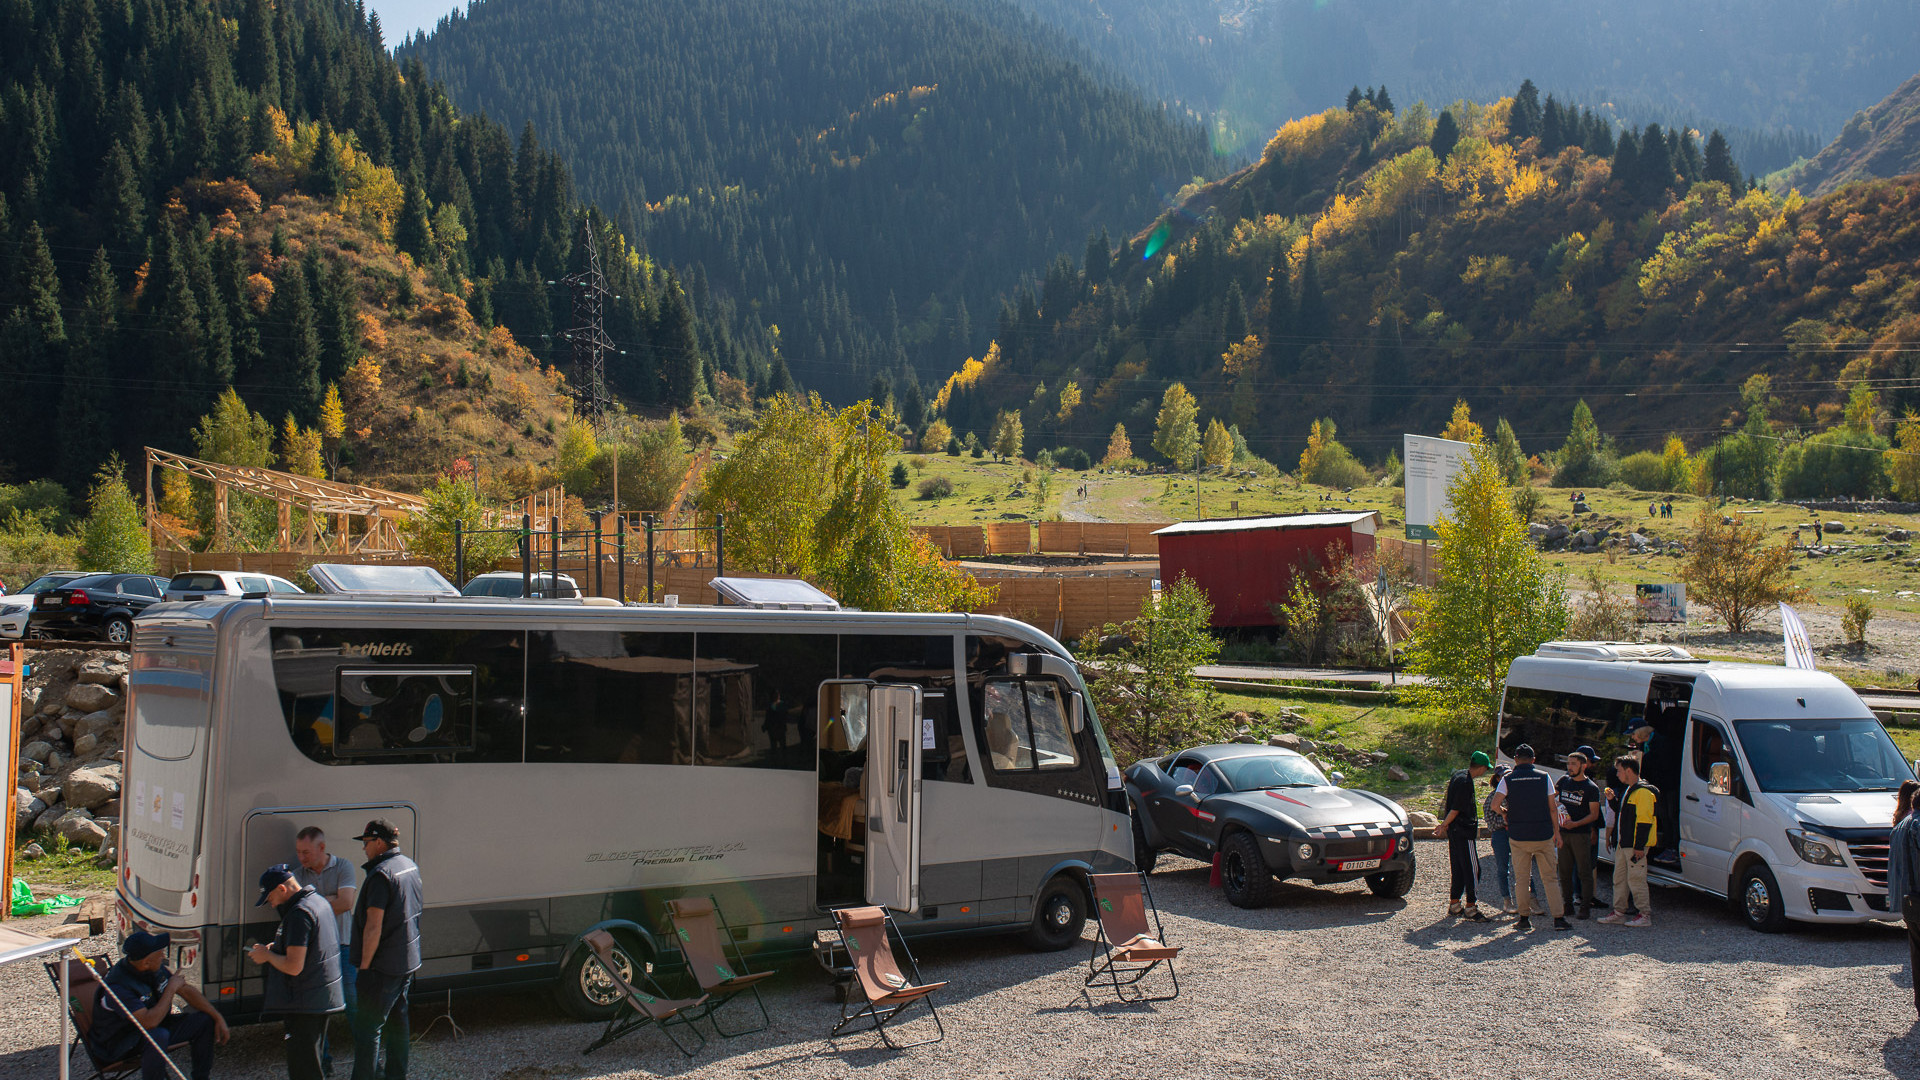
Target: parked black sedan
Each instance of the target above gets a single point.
(100, 606)
(1269, 813)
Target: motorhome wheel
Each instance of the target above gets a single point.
(583, 991)
(1059, 916)
(1144, 854)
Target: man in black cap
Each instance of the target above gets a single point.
(303, 967)
(386, 947)
(142, 993)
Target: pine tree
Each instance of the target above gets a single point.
(1524, 121)
(1446, 135)
(1282, 318)
(1099, 258)
(1719, 167)
(336, 311)
(1655, 172)
(1392, 373)
(1686, 158)
(291, 367)
(1553, 128)
(1381, 101)
(1507, 452)
(1626, 162)
(119, 205)
(86, 398)
(1233, 319)
(1354, 98)
(33, 342)
(413, 232)
(324, 180)
(677, 347)
(1315, 321)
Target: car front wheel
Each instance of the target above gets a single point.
(1393, 884)
(1243, 872)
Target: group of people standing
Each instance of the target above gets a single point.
(1548, 831)
(338, 948)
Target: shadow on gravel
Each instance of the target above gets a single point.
(1902, 1053)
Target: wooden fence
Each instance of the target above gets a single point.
(1055, 538)
(1422, 560)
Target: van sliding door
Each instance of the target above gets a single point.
(895, 740)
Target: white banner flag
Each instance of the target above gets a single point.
(1799, 646)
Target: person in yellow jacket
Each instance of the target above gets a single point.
(1635, 830)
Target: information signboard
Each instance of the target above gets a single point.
(1660, 603)
(1430, 466)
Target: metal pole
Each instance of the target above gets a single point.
(66, 994)
(720, 545)
(553, 583)
(459, 558)
(648, 519)
(599, 577)
(526, 555)
(620, 552)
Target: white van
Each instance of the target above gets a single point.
(1776, 784)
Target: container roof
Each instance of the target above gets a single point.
(1282, 521)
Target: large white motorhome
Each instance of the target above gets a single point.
(562, 766)
(1776, 784)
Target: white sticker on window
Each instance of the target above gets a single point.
(140, 798)
(157, 809)
(179, 816)
(926, 733)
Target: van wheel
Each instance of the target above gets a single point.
(584, 992)
(1393, 886)
(1244, 876)
(1144, 854)
(1059, 916)
(1760, 901)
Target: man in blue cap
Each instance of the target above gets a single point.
(386, 947)
(142, 993)
(303, 967)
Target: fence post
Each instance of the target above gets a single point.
(620, 553)
(599, 577)
(647, 518)
(720, 546)
(526, 555)
(459, 558)
(553, 530)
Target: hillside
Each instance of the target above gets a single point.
(1883, 141)
(870, 176)
(1353, 273)
(1250, 65)
(202, 195)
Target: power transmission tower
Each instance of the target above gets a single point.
(588, 334)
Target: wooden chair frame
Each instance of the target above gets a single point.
(1125, 963)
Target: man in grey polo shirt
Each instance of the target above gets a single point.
(333, 878)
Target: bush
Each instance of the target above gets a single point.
(1601, 615)
(1337, 468)
(899, 474)
(953, 447)
(1854, 621)
(919, 462)
(934, 487)
(1644, 471)
(1072, 457)
(1836, 463)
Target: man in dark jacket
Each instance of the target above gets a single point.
(143, 992)
(1460, 825)
(1525, 796)
(386, 946)
(303, 967)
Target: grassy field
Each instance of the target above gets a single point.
(61, 869)
(1411, 739)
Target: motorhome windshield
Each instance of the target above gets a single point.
(1822, 755)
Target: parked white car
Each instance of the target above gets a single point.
(208, 584)
(15, 607)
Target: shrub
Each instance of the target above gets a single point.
(899, 474)
(934, 487)
(953, 447)
(1072, 457)
(1644, 471)
(1601, 615)
(919, 462)
(1854, 621)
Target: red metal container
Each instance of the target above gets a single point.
(1246, 564)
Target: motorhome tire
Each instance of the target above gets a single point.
(1144, 854)
(1760, 901)
(583, 990)
(1394, 885)
(1059, 916)
(1244, 876)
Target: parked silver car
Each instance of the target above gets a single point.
(207, 584)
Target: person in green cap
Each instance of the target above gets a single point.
(1460, 824)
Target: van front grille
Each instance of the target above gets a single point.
(1871, 858)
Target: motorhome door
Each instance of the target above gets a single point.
(895, 739)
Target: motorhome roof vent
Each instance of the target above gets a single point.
(780, 594)
(379, 579)
(1614, 650)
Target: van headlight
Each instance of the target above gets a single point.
(1819, 850)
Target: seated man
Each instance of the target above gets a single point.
(146, 989)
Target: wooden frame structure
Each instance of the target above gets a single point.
(316, 499)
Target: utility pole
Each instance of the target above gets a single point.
(588, 334)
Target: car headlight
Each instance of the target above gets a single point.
(1305, 851)
(1819, 850)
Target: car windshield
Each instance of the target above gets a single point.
(1256, 772)
(1822, 755)
(47, 581)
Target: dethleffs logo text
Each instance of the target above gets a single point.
(378, 648)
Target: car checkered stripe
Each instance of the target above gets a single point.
(1353, 832)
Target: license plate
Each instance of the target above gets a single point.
(1361, 864)
(53, 601)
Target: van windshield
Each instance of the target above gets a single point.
(1822, 755)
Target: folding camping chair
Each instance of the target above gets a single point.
(83, 994)
(700, 926)
(886, 992)
(636, 1009)
(1133, 949)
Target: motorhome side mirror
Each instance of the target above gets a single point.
(1183, 790)
(1337, 778)
(1720, 778)
(1076, 712)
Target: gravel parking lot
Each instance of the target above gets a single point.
(1330, 982)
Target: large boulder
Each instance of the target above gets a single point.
(89, 697)
(38, 750)
(102, 671)
(80, 829)
(89, 788)
(26, 807)
(85, 746)
(30, 700)
(1638, 543)
(1556, 531)
(99, 723)
(1287, 740)
(49, 816)
(1834, 526)
(1420, 819)
(1536, 530)
(1899, 536)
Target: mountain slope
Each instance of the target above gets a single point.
(859, 173)
(1353, 274)
(1253, 64)
(1883, 141)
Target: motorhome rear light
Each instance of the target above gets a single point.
(78, 598)
(964, 910)
(523, 958)
(786, 929)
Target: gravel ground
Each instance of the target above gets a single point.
(1330, 982)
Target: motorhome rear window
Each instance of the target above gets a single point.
(1555, 722)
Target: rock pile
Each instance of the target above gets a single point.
(74, 711)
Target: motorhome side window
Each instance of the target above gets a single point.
(365, 696)
(601, 697)
(1554, 722)
(754, 698)
(926, 662)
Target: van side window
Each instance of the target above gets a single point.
(925, 661)
(604, 697)
(1555, 722)
(751, 698)
(1709, 748)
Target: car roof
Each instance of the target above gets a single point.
(1222, 751)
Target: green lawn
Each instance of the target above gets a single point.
(62, 869)
(1413, 740)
